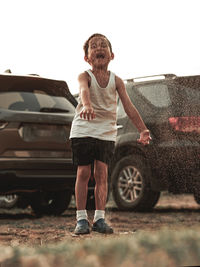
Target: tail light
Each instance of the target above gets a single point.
(185, 124)
(3, 124)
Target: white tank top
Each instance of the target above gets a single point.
(104, 103)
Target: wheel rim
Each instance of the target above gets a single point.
(130, 184)
(10, 198)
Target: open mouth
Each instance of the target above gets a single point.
(100, 55)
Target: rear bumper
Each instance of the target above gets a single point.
(35, 163)
(33, 174)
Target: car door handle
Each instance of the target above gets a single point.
(120, 126)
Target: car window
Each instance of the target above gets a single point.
(156, 94)
(33, 101)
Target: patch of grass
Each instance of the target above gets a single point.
(163, 248)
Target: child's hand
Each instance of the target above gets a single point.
(144, 137)
(87, 113)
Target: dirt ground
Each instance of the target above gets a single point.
(19, 226)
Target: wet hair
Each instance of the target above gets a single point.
(86, 44)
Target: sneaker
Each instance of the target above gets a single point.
(102, 227)
(82, 227)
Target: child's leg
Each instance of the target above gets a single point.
(81, 187)
(101, 187)
(82, 157)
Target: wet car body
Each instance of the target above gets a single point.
(170, 107)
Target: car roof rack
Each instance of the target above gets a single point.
(152, 77)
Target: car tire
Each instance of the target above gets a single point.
(131, 184)
(8, 201)
(50, 203)
(23, 201)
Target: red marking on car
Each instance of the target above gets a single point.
(185, 124)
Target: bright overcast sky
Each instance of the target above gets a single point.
(148, 37)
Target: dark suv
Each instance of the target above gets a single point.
(35, 154)
(170, 107)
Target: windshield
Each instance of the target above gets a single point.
(34, 101)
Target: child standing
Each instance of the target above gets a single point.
(94, 130)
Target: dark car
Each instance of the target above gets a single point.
(170, 108)
(35, 152)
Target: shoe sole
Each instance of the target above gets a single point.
(82, 233)
(101, 232)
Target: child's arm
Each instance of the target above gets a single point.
(132, 112)
(87, 112)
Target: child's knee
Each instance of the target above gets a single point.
(84, 173)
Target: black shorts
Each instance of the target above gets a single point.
(87, 149)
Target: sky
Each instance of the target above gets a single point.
(148, 37)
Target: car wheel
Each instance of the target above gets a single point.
(8, 201)
(23, 201)
(131, 185)
(50, 203)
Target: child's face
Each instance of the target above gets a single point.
(99, 54)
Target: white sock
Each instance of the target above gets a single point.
(81, 215)
(99, 214)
